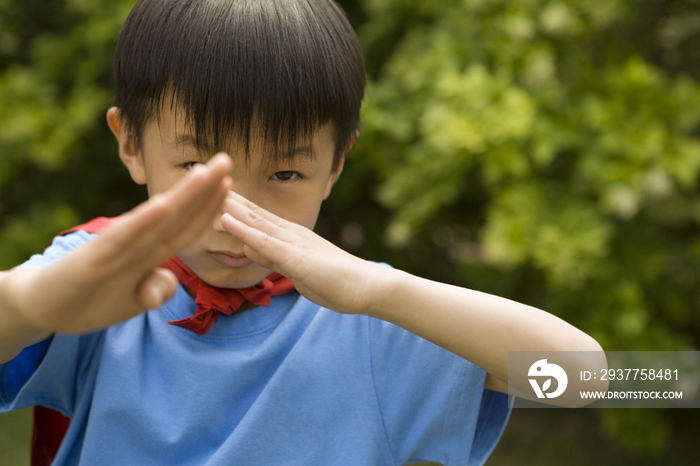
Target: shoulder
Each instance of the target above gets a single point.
(59, 247)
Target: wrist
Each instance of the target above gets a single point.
(9, 311)
(16, 332)
(385, 284)
(12, 311)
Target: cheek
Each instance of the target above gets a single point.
(308, 211)
(160, 178)
(301, 209)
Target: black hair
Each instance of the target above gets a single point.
(289, 65)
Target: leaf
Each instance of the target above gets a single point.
(546, 385)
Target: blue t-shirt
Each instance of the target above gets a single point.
(292, 383)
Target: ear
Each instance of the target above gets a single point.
(128, 153)
(334, 177)
(341, 164)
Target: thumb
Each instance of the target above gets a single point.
(156, 288)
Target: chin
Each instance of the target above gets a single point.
(236, 278)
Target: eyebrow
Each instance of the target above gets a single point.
(201, 147)
(301, 152)
(305, 152)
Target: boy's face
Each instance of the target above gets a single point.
(292, 189)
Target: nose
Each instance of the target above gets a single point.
(217, 223)
(243, 190)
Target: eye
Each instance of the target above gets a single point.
(286, 176)
(188, 165)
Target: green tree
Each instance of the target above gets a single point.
(57, 160)
(547, 151)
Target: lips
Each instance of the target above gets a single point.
(229, 259)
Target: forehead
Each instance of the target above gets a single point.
(174, 131)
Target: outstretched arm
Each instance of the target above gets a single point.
(479, 327)
(115, 276)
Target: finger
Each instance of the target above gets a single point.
(166, 213)
(156, 288)
(255, 216)
(189, 195)
(201, 220)
(268, 249)
(172, 208)
(243, 204)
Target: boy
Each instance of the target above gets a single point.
(362, 364)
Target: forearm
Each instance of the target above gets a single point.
(479, 327)
(15, 332)
(476, 326)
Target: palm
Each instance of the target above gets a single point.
(117, 275)
(322, 272)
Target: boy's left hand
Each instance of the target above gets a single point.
(476, 326)
(320, 271)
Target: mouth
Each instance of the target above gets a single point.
(231, 260)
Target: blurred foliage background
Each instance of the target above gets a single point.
(543, 150)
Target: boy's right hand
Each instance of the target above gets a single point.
(115, 276)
